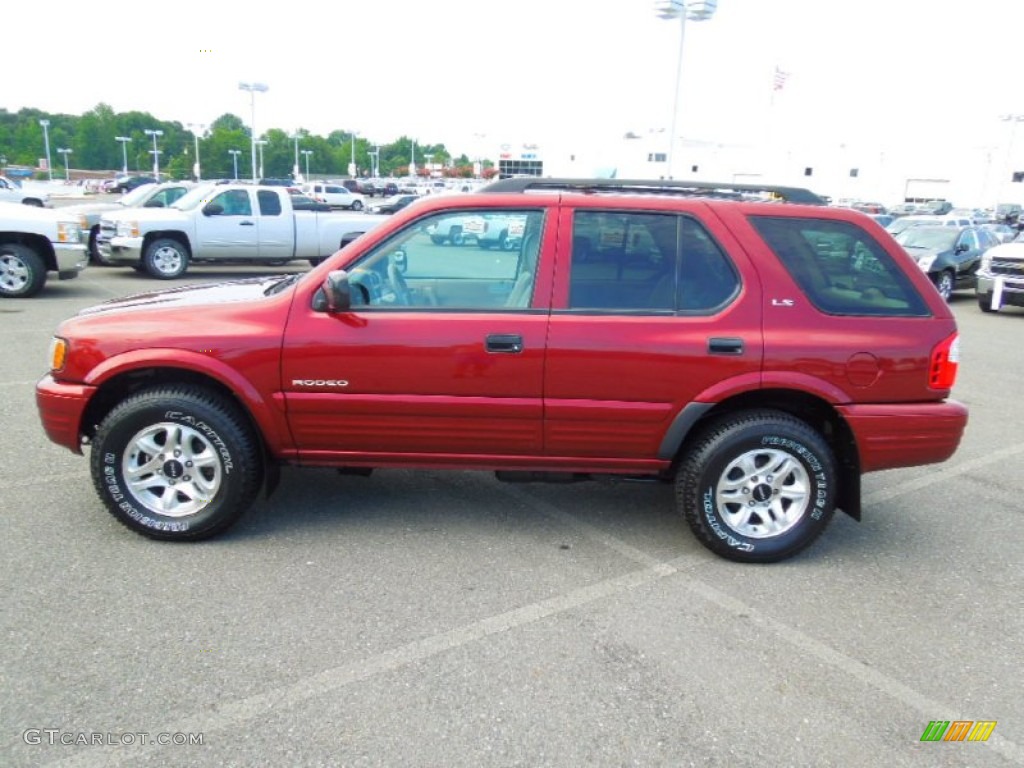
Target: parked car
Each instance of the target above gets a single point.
(395, 353)
(334, 195)
(393, 204)
(36, 241)
(144, 196)
(124, 184)
(948, 255)
(10, 192)
(1003, 232)
(1001, 277)
(305, 203)
(233, 223)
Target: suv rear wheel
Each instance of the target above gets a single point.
(176, 462)
(757, 486)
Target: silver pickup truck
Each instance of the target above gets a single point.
(35, 241)
(225, 223)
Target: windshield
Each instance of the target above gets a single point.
(194, 198)
(938, 238)
(137, 196)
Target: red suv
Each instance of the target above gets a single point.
(756, 348)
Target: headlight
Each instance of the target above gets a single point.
(127, 229)
(58, 353)
(986, 263)
(69, 231)
(925, 262)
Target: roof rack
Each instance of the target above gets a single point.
(725, 190)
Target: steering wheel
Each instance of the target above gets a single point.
(398, 285)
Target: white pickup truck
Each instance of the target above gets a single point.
(35, 241)
(225, 223)
(13, 193)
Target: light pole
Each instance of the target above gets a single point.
(1012, 120)
(234, 156)
(295, 168)
(429, 156)
(197, 128)
(261, 143)
(67, 171)
(154, 151)
(307, 153)
(352, 170)
(124, 151)
(412, 160)
(253, 89)
(46, 140)
(375, 161)
(694, 10)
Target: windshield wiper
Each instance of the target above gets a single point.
(283, 283)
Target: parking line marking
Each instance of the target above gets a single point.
(933, 478)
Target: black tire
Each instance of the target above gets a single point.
(22, 271)
(357, 205)
(985, 302)
(456, 237)
(95, 254)
(165, 259)
(33, 201)
(438, 239)
(315, 261)
(752, 472)
(207, 441)
(945, 282)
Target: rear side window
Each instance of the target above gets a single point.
(840, 268)
(270, 203)
(653, 262)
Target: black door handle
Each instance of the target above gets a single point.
(246, 224)
(508, 343)
(725, 346)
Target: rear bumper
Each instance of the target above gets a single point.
(60, 409)
(905, 434)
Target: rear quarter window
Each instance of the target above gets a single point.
(840, 267)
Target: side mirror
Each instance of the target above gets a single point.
(154, 204)
(962, 247)
(337, 292)
(213, 209)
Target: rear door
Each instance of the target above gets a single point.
(440, 360)
(276, 226)
(651, 309)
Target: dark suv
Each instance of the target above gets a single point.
(757, 349)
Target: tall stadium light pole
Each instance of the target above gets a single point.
(124, 151)
(1012, 120)
(155, 152)
(307, 153)
(295, 168)
(253, 89)
(197, 128)
(67, 170)
(46, 141)
(261, 143)
(683, 10)
(234, 156)
(352, 170)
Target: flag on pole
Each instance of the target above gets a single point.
(779, 80)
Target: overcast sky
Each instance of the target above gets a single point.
(473, 74)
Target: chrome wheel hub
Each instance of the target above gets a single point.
(763, 493)
(172, 470)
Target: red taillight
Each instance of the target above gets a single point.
(945, 363)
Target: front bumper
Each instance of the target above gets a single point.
(121, 250)
(1007, 290)
(71, 259)
(61, 407)
(905, 434)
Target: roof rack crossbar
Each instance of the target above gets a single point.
(652, 186)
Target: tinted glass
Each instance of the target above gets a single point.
(270, 203)
(646, 262)
(840, 268)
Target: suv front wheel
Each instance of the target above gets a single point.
(176, 462)
(757, 486)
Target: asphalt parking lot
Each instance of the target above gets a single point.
(446, 619)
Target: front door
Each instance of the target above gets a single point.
(440, 360)
(227, 228)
